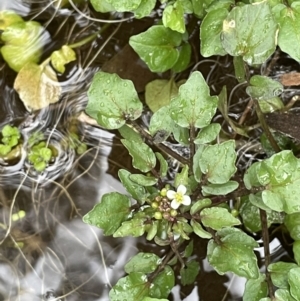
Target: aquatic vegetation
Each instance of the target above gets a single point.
(208, 198)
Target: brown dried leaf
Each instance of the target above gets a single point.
(37, 86)
(290, 79)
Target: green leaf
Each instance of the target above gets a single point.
(4, 149)
(210, 30)
(135, 286)
(198, 230)
(292, 222)
(161, 125)
(279, 273)
(208, 133)
(190, 272)
(163, 169)
(153, 299)
(173, 17)
(144, 9)
(251, 216)
(37, 86)
(239, 69)
(218, 162)
(283, 295)
(234, 253)
(157, 47)
(112, 100)
(152, 231)
(193, 107)
(143, 180)
(185, 51)
(10, 135)
(271, 105)
(188, 251)
(163, 283)
(143, 157)
(263, 87)
(218, 218)
(62, 57)
(130, 134)
(102, 6)
(238, 38)
(220, 189)
(124, 5)
(45, 153)
(196, 166)
(296, 251)
(110, 213)
(182, 178)
(7, 18)
(281, 177)
(138, 192)
(181, 135)
(159, 93)
(200, 205)
(200, 7)
(223, 108)
(23, 44)
(142, 262)
(134, 227)
(255, 289)
(289, 30)
(39, 165)
(293, 280)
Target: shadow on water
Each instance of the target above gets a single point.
(50, 254)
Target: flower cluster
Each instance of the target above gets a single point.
(166, 209)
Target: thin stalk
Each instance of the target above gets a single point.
(89, 38)
(192, 146)
(160, 146)
(265, 234)
(265, 127)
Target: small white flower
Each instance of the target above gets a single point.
(178, 197)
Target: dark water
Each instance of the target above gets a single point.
(50, 254)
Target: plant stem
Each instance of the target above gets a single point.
(174, 248)
(192, 146)
(89, 38)
(160, 146)
(265, 127)
(161, 267)
(157, 175)
(265, 234)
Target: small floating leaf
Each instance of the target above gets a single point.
(62, 57)
(37, 86)
(7, 18)
(23, 44)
